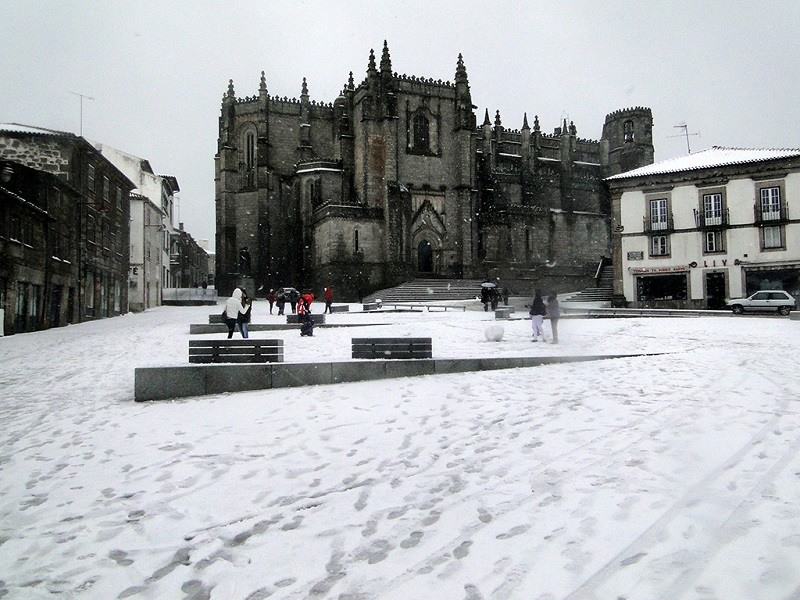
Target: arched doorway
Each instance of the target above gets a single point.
(424, 257)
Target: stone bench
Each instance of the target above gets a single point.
(428, 307)
(319, 318)
(392, 348)
(340, 308)
(370, 306)
(503, 312)
(214, 319)
(235, 351)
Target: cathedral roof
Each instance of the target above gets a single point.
(716, 156)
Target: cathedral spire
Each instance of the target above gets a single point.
(262, 87)
(461, 70)
(486, 120)
(497, 122)
(536, 123)
(304, 89)
(525, 121)
(350, 84)
(386, 62)
(371, 67)
(231, 92)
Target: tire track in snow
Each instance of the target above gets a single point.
(642, 543)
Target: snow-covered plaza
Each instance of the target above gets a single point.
(673, 475)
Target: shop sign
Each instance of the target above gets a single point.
(723, 262)
(641, 270)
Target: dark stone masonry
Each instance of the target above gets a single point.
(395, 179)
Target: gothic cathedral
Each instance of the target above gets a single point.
(395, 180)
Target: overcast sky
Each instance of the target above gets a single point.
(156, 70)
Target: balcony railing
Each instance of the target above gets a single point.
(659, 226)
(771, 215)
(712, 219)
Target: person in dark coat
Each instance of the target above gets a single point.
(554, 312)
(537, 312)
(294, 296)
(271, 300)
(485, 294)
(307, 327)
(244, 317)
(280, 300)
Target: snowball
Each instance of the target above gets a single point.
(494, 333)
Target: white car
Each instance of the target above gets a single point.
(778, 300)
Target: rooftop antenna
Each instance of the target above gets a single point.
(685, 134)
(81, 96)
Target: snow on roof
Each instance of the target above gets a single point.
(716, 156)
(20, 128)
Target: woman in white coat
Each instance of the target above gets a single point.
(233, 308)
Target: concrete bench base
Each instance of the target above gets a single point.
(340, 308)
(319, 319)
(166, 383)
(202, 328)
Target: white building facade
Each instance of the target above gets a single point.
(692, 231)
(151, 222)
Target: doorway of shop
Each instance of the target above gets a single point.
(715, 290)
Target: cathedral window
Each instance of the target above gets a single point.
(247, 159)
(250, 150)
(627, 129)
(356, 247)
(421, 134)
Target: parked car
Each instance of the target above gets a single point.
(778, 300)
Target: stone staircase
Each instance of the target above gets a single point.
(604, 291)
(429, 290)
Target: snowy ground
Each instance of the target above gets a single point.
(661, 477)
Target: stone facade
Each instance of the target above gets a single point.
(189, 261)
(394, 179)
(66, 250)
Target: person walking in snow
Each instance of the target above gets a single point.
(244, 317)
(537, 312)
(233, 308)
(485, 292)
(294, 296)
(271, 300)
(280, 300)
(328, 300)
(554, 312)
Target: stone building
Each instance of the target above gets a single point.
(189, 261)
(63, 230)
(394, 180)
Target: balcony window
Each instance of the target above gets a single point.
(770, 204)
(712, 209)
(659, 216)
